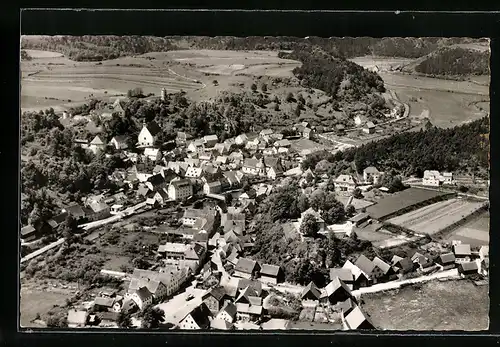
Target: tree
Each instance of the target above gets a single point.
(300, 98)
(309, 225)
(330, 185)
(335, 213)
(253, 87)
(303, 203)
(152, 317)
(357, 194)
(297, 111)
(317, 199)
(124, 320)
(215, 82)
(69, 227)
(289, 97)
(350, 210)
(263, 88)
(229, 198)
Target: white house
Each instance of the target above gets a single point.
(148, 134)
(97, 145)
(253, 166)
(142, 297)
(180, 189)
(194, 172)
(152, 154)
(371, 174)
(345, 184)
(431, 178)
(241, 139)
(120, 142)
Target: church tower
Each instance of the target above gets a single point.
(163, 94)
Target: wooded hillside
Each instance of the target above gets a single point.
(456, 61)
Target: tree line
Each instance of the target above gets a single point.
(456, 61)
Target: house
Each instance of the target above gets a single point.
(371, 175)
(340, 128)
(431, 178)
(120, 142)
(247, 311)
(214, 187)
(227, 312)
(195, 146)
(161, 196)
(180, 189)
(253, 166)
(241, 139)
(357, 319)
(462, 252)
(404, 265)
(182, 138)
(205, 156)
(214, 299)
(197, 319)
(360, 120)
(195, 252)
(270, 151)
(387, 272)
(273, 167)
(337, 291)
(296, 171)
(315, 214)
(76, 211)
(369, 128)
(360, 279)
(193, 172)
(191, 215)
(141, 172)
(142, 297)
(28, 233)
(149, 134)
(234, 178)
(307, 133)
(266, 132)
(446, 178)
(108, 319)
(172, 251)
(81, 143)
(484, 252)
(270, 274)
(103, 304)
(152, 154)
(359, 219)
(55, 221)
(97, 145)
(345, 184)
(345, 275)
(77, 318)
(221, 324)
(310, 293)
(221, 160)
(210, 140)
(468, 268)
(285, 143)
(156, 182)
(97, 211)
(246, 268)
(171, 278)
(447, 260)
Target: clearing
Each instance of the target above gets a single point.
(434, 218)
(448, 305)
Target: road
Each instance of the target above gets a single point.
(187, 78)
(42, 250)
(125, 213)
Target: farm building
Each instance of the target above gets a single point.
(246, 268)
(357, 319)
(462, 252)
(344, 274)
(310, 292)
(468, 268)
(336, 291)
(271, 274)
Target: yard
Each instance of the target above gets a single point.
(433, 218)
(448, 305)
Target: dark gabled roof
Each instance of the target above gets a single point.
(246, 265)
(335, 285)
(447, 258)
(101, 301)
(218, 293)
(359, 217)
(356, 318)
(255, 286)
(269, 270)
(153, 128)
(200, 315)
(143, 293)
(156, 180)
(405, 263)
(230, 308)
(344, 274)
(381, 265)
(365, 264)
(311, 287)
(75, 210)
(109, 316)
(121, 138)
(345, 306)
(469, 266)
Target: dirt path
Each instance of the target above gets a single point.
(187, 78)
(42, 250)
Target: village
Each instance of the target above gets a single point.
(203, 277)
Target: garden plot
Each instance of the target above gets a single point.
(434, 218)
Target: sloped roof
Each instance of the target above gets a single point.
(371, 170)
(121, 138)
(344, 274)
(221, 324)
(276, 324)
(27, 230)
(77, 317)
(200, 315)
(311, 287)
(335, 285)
(246, 265)
(345, 179)
(381, 264)
(153, 128)
(469, 266)
(102, 301)
(97, 141)
(269, 270)
(365, 264)
(447, 258)
(462, 250)
(356, 318)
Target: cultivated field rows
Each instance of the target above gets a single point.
(435, 217)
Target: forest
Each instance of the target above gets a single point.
(339, 78)
(97, 48)
(456, 62)
(462, 149)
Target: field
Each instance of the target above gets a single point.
(475, 232)
(36, 299)
(396, 202)
(51, 80)
(435, 217)
(450, 305)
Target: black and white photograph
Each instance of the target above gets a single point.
(254, 183)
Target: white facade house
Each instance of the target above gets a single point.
(180, 189)
(97, 145)
(148, 134)
(433, 178)
(372, 175)
(345, 184)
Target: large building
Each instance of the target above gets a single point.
(148, 134)
(180, 189)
